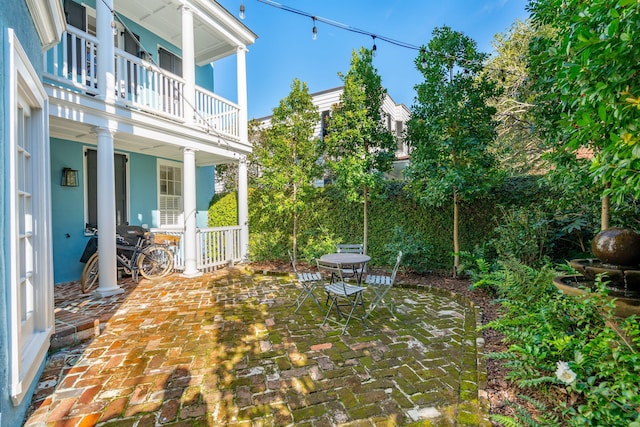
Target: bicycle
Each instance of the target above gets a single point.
(148, 256)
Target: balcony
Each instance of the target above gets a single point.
(139, 84)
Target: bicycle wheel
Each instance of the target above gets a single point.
(155, 262)
(90, 274)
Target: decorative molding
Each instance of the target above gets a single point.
(49, 20)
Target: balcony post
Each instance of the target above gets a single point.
(105, 63)
(190, 241)
(188, 64)
(107, 264)
(241, 71)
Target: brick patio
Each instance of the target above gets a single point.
(226, 349)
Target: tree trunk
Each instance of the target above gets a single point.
(456, 243)
(295, 225)
(365, 219)
(604, 213)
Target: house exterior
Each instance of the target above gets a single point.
(395, 116)
(26, 272)
(110, 117)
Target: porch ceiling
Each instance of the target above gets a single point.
(82, 132)
(217, 33)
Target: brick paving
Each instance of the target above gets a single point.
(226, 349)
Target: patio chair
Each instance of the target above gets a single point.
(341, 295)
(380, 285)
(307, 282)
(352, 270)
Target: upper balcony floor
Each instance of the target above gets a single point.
(161, 54)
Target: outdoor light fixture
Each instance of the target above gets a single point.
(69, 177)
(375, 48)
(241, 10)
(423, 59)
(114, 29)
(314, 31)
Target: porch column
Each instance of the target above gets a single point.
(243, 204)
(105, 55)
(243, 208)
(190, 241)
(188, 64)
(107, 265)
(241, 71)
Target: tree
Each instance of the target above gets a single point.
(287, 156)
(227, 173)
(451, 126)
(359, 146)
(517, 146)
(587, 72)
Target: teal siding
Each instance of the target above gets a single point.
(14, 15)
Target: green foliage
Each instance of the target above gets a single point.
(543, 327)
(223, 210)
(268, 245)
(415, 247)
(586, 74)
(523, 234)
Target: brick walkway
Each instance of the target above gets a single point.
(226, 349)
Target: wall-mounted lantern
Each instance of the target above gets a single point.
(69, 177)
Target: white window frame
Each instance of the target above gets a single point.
(179, 216)
(25, 92)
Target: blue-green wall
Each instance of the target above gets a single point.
(68, 204)
(14, 15)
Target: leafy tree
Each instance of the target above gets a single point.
(587, 72)
(227, 173)
(359, 146)
(518, 148)
(451, 126)
(287, 156)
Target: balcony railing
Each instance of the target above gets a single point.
(139, 84)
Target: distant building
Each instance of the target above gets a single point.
(395, 115)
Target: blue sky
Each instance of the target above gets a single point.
(285, 50)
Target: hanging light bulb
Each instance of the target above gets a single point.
(314, 31)
(241, 10)
(375, 48)
(423, 59)
(114, 28)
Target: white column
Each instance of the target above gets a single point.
(188, 64)
(243, 203)
(241, 71)
(243, 208)
(105, 57)
(107, 265)
(190, 242)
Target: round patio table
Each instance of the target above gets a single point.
(357, 261)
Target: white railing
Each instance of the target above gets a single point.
(217, 247)
(73, 60)
(217, 113)
(139, 83)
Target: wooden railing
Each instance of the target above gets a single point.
(139, 83)
(217, 247)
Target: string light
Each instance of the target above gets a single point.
(241, 10)
(314, 31)
(339, 25)
(375, 48)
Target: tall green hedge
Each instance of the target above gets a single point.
(395, 221)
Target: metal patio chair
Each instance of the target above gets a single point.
(307, 282)
(352, 270)
(341, 295)
(380, 285)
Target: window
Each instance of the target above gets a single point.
(27, 209)
(170, 193)
(120, 177)
(170, 61)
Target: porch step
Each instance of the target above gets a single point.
(73, 328)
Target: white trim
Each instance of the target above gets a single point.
(48, 18)
(22, 83)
